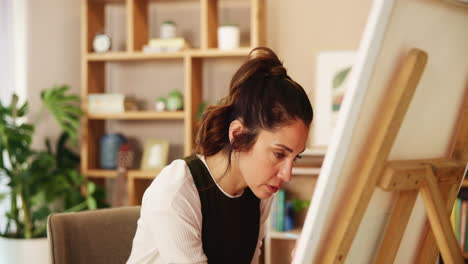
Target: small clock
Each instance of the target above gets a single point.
(101, 43)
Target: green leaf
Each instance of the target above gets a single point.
(299, 205)
(91, 188)
(78, 207)
(64, 108)
(91, 202)
(41, 214)
(23, 110)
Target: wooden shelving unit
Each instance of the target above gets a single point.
(94, 79)
(465, 183)
(139, 174)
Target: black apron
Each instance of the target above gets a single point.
(230, 225)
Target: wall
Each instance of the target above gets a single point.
(296, 30)
(53, 56)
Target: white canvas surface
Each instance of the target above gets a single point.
(393, 28)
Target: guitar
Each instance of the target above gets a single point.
(125, 158)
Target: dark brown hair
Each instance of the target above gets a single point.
(262, 96)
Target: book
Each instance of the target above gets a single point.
(289, 217)
(452, 216)
(281, 210)
(464, 207)
(457, 218)
(465, 249)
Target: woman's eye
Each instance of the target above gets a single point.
(297, 158)
(279, 155)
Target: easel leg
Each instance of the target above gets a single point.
(428, 252)
(397, 226)
(439, 220)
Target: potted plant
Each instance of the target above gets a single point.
(40, 182)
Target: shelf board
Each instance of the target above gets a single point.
(229, 3)
(139, 115)
(306, 171)
(216, 53)
(290, 235)
(138, 174)
(110, 1)
(465, 184)
(125, 56)
(197, 53)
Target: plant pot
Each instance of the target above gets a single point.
(24, 251)
(228, 37)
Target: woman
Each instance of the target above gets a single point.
(212, 206)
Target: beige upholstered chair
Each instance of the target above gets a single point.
(92, 237)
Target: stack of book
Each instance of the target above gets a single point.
(459, 219)
(111, 103)
(282, 213)
(159, 45)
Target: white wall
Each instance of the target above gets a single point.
(53, 55)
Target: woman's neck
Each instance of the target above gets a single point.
(231, 180)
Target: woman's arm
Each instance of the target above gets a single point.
(169, 228)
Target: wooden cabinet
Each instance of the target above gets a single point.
(137, 25)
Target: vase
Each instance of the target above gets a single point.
(168, 30)
(24, 251)
(228, 37)
(109, 148)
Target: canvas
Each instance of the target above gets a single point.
(428, 131)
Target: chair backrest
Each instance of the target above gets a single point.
(92, 237)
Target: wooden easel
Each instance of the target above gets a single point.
(437, 180)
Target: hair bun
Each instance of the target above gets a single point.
(278, 71)
(272, 66)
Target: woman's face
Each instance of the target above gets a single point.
(268, 164)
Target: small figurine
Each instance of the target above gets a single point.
(160, 104)
(175, 101)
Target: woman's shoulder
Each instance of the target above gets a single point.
(172, 184)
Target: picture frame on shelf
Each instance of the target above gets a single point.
(332, 77)
(155, 154)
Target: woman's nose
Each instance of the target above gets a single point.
(286, 172)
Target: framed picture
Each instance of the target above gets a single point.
(333, 70)
(155, 154)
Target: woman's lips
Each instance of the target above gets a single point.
(272, 188)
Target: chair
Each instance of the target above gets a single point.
(92, 237)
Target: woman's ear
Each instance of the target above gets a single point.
(235, 128)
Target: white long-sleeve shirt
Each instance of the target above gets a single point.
(170, 225)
